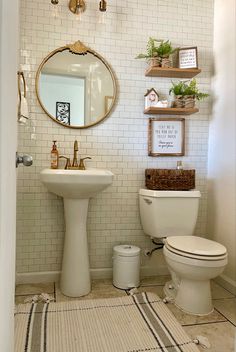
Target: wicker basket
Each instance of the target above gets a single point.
(170, 179)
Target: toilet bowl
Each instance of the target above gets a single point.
(195, 261)
(170, 217)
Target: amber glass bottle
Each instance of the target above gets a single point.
(54, 156)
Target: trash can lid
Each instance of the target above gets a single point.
(126, 250)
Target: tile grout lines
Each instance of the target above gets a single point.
(234, 324)
(206, 323)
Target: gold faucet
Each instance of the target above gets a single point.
(68, 164)
(75, 165)
(81, 163)
(75, 158)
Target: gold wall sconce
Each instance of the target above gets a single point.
(78, 6)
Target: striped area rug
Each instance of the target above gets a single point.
(136, 323)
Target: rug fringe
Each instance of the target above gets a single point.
(168, 299)
(43, 297)
(133, 291)
(202, 341)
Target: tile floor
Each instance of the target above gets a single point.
(219, 327)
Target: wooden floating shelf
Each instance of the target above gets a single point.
(170, 111)
(172, 72)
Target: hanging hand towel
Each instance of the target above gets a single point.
(23, 111)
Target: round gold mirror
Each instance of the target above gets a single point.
(75, 86)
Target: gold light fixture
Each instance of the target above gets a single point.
(77, 6)
(55, 10)
(102, 6)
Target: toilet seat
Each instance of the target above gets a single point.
(184, 258)
(196, 248)
(195, 257)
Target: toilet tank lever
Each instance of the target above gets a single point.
(148, 201)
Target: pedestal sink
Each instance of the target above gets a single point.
(76, 187)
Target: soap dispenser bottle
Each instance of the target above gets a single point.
(179, 165)
(54, 156)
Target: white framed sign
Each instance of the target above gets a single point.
(166, 137)
(188, 57)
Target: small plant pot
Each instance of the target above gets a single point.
(189, 101)
(178, 101)
(166, 62)
(155, 62)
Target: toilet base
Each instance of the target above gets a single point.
(194, 297)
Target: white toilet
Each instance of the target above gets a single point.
(170, 217)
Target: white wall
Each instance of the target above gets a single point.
(120, 142)
(222, 137)
(8, 73)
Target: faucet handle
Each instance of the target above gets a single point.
(68, 164)
(81, 162)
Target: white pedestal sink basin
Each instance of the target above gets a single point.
(76, 187)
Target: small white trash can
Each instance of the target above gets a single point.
(126, 266)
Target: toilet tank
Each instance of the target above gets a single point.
(168, 213)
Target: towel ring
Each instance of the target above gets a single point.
(21, 77)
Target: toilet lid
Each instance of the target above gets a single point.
(197, 246)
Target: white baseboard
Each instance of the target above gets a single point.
(103, 273)
(37, 277)
(154, 271)
(145, 271)
(227, 283)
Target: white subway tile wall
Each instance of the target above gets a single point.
(120, 142)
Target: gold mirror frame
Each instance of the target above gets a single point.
(76, 48)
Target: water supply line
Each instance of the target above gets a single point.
(159, 245)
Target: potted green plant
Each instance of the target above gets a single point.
(164, 51)
(186, 94)
(192, 93)
(158, 52)
(151, 53)
(178, 91)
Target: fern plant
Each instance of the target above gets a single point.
(178, 88)
(165, 49)
(152, 49)
(192, 89)
(184, 88)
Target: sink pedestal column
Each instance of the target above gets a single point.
(75, 276)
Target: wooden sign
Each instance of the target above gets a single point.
(166, 137)
(188, 57)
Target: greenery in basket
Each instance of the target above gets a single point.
(165, 49)
(184, 88)
(178, 88)
(157, 48)
(192, 89)
(151, 49)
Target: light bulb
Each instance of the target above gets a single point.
(78, 14)
(55, 9)
(102, 11)
(102, 17)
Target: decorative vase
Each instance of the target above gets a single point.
(189, 101)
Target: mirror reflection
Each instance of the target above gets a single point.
(75, 89)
